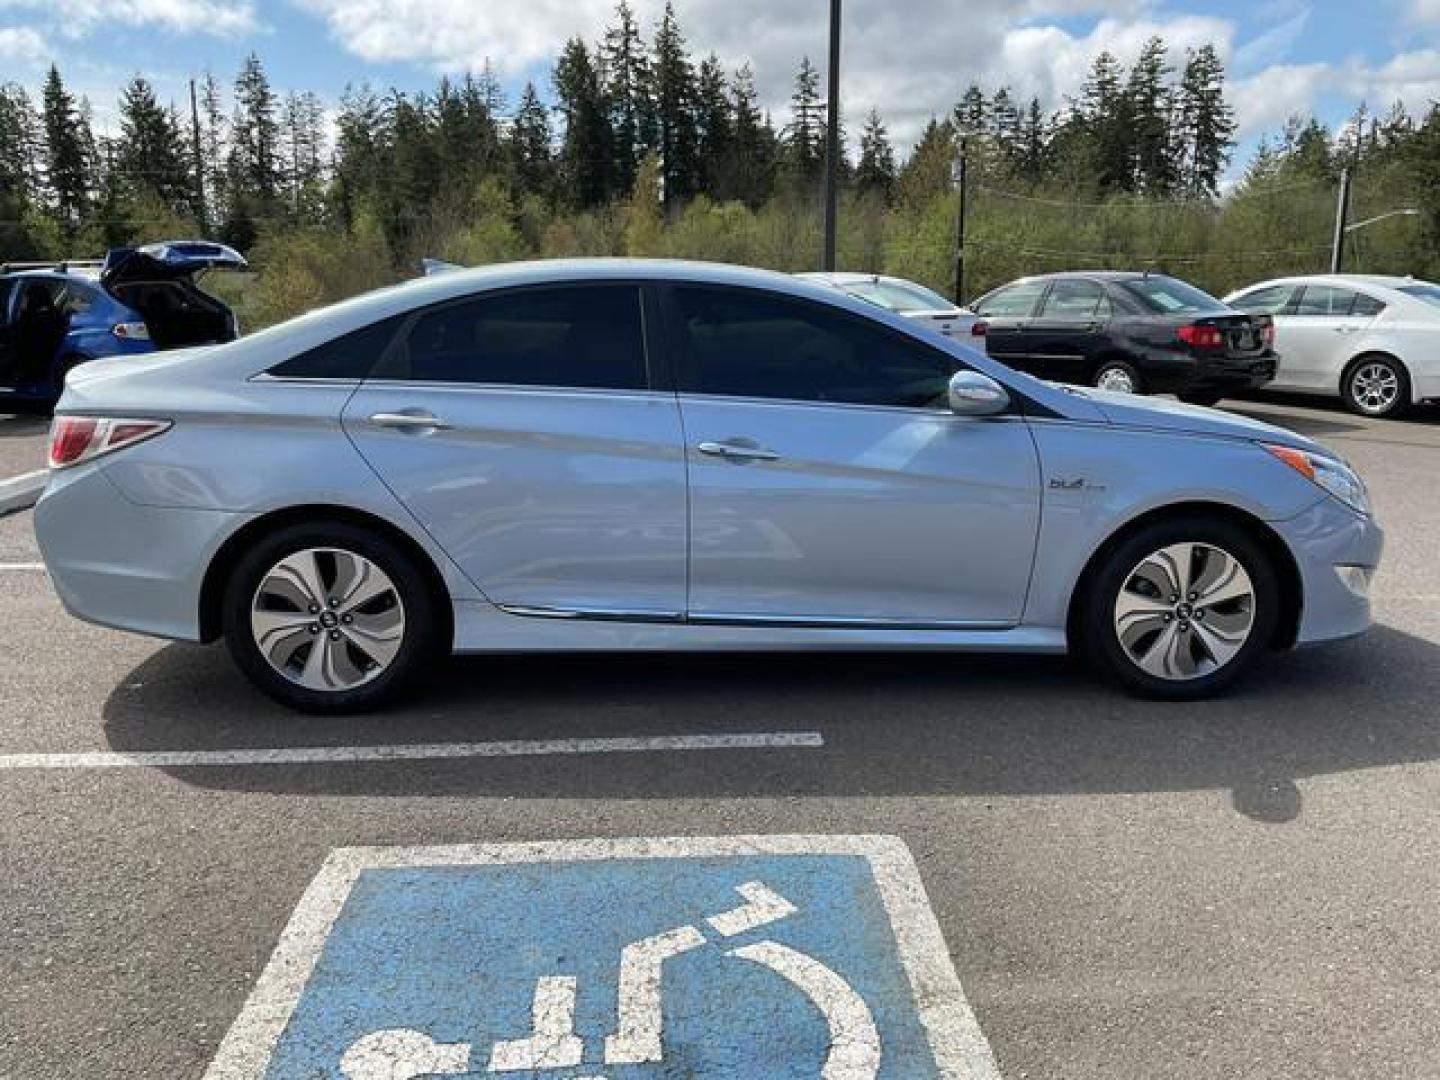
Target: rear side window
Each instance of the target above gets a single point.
(1366, 307)
(1075, 300)
(1013, 302)
(1325, 300)
(586, 336)
(744, 343)
(350, 356)
(1271, 300)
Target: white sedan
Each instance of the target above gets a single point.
(1373, 340)
(907, 298)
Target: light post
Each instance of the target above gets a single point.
(832, 140)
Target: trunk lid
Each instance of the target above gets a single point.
(167, 261)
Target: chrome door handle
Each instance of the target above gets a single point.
(410, 421)
(737, 453)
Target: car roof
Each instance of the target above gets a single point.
(1374, 281)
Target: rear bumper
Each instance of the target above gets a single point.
(131, 567)
(1178, 373)
(1336, 551)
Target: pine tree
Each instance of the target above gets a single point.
(1206, 122)
(586, 154)
(972, 114)
(1102, 123)
(530, 149)
(360, 153)
(213, 148)
(254, 167)
(1033, 157)
(303, 129)
(715, 131)
(673, 82)
(1148, 111)
(805, 139)
(67, 145)
(931, 168)
(151, 156)
(755, 142)
(627, 93)
(876, 172)
(19, 172)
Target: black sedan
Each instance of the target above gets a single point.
(1137, 332)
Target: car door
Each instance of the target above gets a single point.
(1068, 330)
(1318, 338)
(8, 354)
(1007, 314)
(829, 484)
(520, 428)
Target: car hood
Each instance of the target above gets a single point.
(1129, 410)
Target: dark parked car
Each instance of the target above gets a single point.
(1136, 332)
(54, 316)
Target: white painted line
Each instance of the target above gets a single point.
(554, 1044)
(959, 1046)
(326, 755)
(21, 492)
(637, 1041)
(19, 566)
(762, 906)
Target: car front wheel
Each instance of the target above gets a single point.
(329, 618)
(1180, 609)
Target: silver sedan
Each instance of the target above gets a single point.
(602, 455)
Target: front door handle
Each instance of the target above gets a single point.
(737, 451)
(410, 420)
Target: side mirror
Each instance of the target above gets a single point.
(974, 394)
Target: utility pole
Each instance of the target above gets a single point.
(832, 140)
(199, 160)
(960, 225)
(1342, 207)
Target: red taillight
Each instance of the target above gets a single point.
(1201, 337)
(979, 328)
(74, 439)
(1267, 333)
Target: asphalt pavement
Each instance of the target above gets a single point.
(1240, 888)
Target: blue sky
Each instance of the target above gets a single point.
(910, 60)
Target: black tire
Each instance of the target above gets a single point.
(1110, 369)
(1094, 631)
(1357, 371)
(422, 616)
(1207, 400)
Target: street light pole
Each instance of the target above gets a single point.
(832, 139)
(1342, 212)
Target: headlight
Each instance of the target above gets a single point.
(1330, 473)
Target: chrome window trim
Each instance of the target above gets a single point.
(816, 622)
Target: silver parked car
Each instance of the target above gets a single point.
(907, 298)
(648, 455)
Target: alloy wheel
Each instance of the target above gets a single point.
(1375, 387)
(1185, 611)
(327, 619)
(1117, 379)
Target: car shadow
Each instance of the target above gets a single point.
(1336, 419)
(893, 725)
(21, 426)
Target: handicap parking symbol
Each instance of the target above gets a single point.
(770, 957)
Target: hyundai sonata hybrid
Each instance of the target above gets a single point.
(623, 455)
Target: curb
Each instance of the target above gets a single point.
(21, 492)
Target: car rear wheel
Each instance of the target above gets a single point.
(1376, 385)
(1181, 609)
(329, 617)
(1119, 376)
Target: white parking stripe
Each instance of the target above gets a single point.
(312, 755)
(18, 566)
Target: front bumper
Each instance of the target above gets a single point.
(1336, 551)
(122, 565)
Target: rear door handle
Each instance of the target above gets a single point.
(416, 420)
(736, 452)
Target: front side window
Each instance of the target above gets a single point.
(1325, 300)
(1012, 302)
(1074, 300)
(745, 343)
(585, 336)
(1271, 300)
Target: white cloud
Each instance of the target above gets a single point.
(1266, 100)
(1274, 45)
(22, 47)
(1425, 12)
(80, 18)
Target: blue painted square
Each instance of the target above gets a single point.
(455, 952)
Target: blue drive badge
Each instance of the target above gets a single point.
(736, 957)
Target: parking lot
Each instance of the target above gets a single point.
(1126, 889)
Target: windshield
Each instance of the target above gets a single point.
(898, 296)
(1171, 297)
(1423, 291)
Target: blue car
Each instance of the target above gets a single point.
(55, 316)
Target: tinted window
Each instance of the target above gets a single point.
(1267, 301)
(1014, 301)
(1429, 293)
(76, 298)
(751, 344)
(585, 336)
(1325, 300)
(1169, 296)
(1073, 300)
(898, 296)
(348, 357)
(1366, 307)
